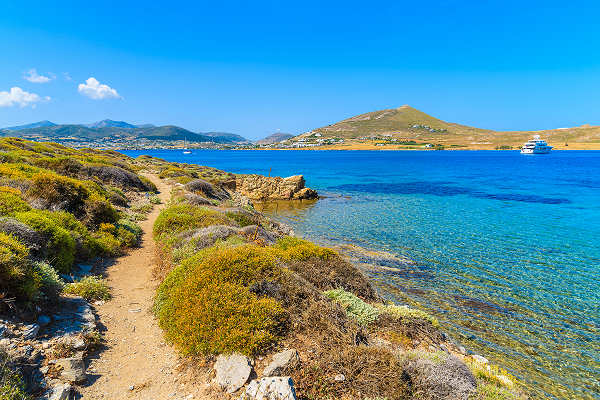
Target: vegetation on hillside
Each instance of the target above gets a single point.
(405, 126)
(233, 281)
(60, 206)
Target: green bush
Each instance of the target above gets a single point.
(183, 217)
(401, 312)
(11, 201)
(51, 284)
(56, 190)
(17, 278)
(90, 288)
(155, 199)
(60, 248)
(98, 210)
(243, 219)
(357, 309)
(11, 383)
(204, 305)
(292, 248)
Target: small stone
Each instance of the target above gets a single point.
(462, 350)
(73, 369)
(135, 310)
(31, 331)
(60, 392)
(444, 348)
(78, 344)
(271, 388)
(232, 371)
(340, 378)
(480, 359)
(281, 362)
(44, 320)
(445, 336)
(131, 387)
(44, 370)
(3, 329)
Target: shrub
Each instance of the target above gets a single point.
(29, 237)
(115, 175)
(205, 307)
(17, 279)
(449, 378)
(11, 383)
(58, 192)
(11, 201)
(183, 217)
(355, 308)
(401, 312)
(369, 372)
(200, 186)
(243, 219)
(51, 284)
(90, 288)
(99, 210)
(292, 248)
(60, 249)
(62, 165)
(155, 199)
(148, 184)
(334, 273)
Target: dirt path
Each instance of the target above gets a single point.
(137, 363)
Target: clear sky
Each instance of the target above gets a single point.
(253, 67)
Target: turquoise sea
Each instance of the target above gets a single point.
(506, 246)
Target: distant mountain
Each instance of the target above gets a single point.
(109, 123)
(275, 138)
(108, 128)
(232, 137)
(39, 124)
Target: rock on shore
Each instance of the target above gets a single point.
(258, 187)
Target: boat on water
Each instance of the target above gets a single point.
(185, 149)
(536, 146)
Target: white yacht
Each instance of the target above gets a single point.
(185, 148)
(536, 146)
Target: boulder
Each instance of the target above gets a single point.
(282, 362)
(60, 392)
(73, 369)
(271, 388)
(258, 187)
(233, 371)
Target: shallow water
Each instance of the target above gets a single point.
(507, 246)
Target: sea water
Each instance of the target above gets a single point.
(506, 246)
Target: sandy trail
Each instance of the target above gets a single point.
(137, 363)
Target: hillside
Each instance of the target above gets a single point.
(108, 130)
(275, 138)
(110, 123)
(407, 126)
(39, 124)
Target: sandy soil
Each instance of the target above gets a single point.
(137, 363)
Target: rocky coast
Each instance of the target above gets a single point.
(208, 298)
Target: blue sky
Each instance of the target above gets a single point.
(255, 67)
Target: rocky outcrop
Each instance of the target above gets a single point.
(232, 371)
(272, 388)
(258, 187)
